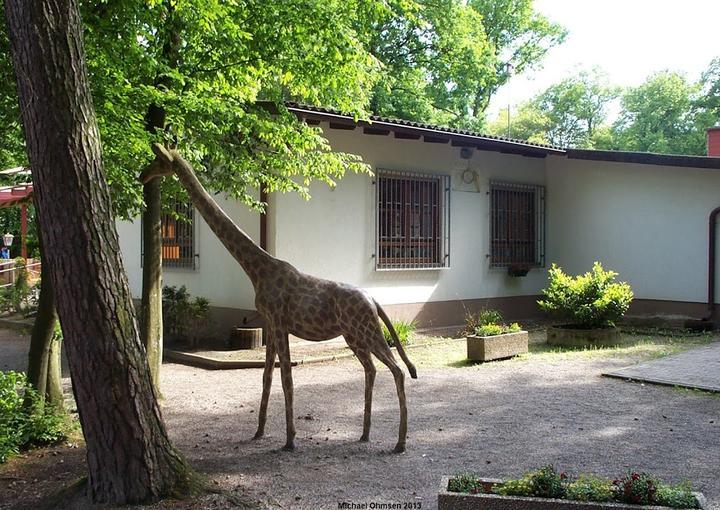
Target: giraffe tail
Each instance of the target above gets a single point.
(383, 316)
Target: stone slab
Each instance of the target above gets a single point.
(697, 368)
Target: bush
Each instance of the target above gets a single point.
(546, 482)
(592, 300)
(483, 317)
(24, 419)
(404, 330)
(497, 329)
(183, 316)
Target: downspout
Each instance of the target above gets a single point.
(711, 264)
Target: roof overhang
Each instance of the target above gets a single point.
(645, 158)
(425, 132)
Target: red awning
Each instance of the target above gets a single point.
(17, 194)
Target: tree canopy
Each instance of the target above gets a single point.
(442, 60)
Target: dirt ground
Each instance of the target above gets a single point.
(497, 419)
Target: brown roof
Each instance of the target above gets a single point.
(377, 125)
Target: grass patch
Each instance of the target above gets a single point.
(641, 345)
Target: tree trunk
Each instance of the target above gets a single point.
(130, 457)
(151, 319)
(44, 357)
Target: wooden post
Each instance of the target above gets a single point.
(23, 231)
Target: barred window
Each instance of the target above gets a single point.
(413, 221)
(517, 225)
(178, 236)
(177, 230)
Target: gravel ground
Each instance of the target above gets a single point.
(497, 420)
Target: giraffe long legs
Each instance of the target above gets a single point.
(287, 384)
(384, 354)
(270, 350)
(370, 371)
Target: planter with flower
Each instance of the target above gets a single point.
(588, 305)
(489, 338)
(546, 489)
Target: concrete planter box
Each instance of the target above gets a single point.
(460, 501)
(573, 337)
(488, 348)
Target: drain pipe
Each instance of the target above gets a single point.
(711, 265)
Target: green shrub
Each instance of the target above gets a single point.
(182, 316)
(483, 317)
(404, 330)
(679, 496)
(24, 420)
(590, 488)
(465, 483)
(592, 300)
(497, 329)
(546, 482)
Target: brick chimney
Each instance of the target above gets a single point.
(713, 141)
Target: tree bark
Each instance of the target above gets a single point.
(151, 318)
(44, 356)
(130, 457)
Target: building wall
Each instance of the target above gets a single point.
(333, 234)
(647, 222)
(217, 277)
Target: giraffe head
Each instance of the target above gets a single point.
(161, 166)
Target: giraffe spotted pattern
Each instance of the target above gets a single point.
(294, 303)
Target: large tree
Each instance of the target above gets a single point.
(130, 457)
(212, 78)
(444, 59)
(570, 113)
(659, 116)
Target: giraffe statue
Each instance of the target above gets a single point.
(295, 303)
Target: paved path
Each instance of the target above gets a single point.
(698, 368)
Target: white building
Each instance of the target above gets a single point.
(449, 214)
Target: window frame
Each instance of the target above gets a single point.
(538, 223)
(188, 263)
(440, 221)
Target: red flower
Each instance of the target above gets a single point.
(563, 475)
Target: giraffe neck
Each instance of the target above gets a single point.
(254, 260)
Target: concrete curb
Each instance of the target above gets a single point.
(208, 363)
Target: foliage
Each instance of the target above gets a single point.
(567, 114)
(482, 317)
(635, 488)
(24, 420)
(221, 71)
(183, 316)
(659, 116)
(21, 287)
(546, 482)
(678, 496)
(497, 329)
(591, 300)
(443, 60)
(467, 483)
(404, 330)
(589, 488)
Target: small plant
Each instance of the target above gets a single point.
(404, 330)
(465, 483)
(546, 482)
(635, 488)
(24, 420)
(497, 329)
(591, 300)
(590, 488)
(483, 317)
(182, 316)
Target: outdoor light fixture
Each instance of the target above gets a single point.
(8, 239)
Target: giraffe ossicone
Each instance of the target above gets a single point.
(292, 302)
